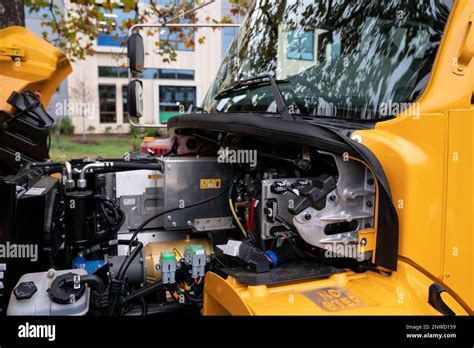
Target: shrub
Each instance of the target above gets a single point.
(151, 132)
(135, 132)
(91, 129)
(66, 127)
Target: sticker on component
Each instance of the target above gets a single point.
(210, 184)
(334, 299)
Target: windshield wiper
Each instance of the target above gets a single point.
(256, 82)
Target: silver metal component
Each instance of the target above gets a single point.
(142, 194)
(81, 182)
(278, 203)
(353, 193)
(69, 181)
(77, 282)
(213, 224)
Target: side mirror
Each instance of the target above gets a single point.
(135, 98)
(136, 52)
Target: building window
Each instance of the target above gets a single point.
(175, 100)
(148, 74)
(125, 103)
(110, 33)
(301, 45)
(107, 99)
(176, 74)
(109, 71)
(228, 35)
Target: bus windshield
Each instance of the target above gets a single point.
(339, 58)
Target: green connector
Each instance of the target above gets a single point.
(168, 256)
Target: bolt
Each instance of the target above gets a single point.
(189, 223)
(174, 224)
(332, 198)
(168, 166)
(370, 182)
(81, 183)
(169, 217)
(307, 216)
(157, 266)
(363, 242)
(369, 204)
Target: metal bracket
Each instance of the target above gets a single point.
(467, 49)
(212, 224)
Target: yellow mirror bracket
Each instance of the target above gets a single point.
(467, 49)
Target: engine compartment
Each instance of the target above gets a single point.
(137, 235)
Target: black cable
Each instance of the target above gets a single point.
(95, 282)
(104, 246)
(121, 274)
(192, 299)
(171, 290)
(150, 219)
(128, 261)
(174, 148)
(145, 291)
(129, 258)
(144, 307)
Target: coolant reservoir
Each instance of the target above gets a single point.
(30, 296)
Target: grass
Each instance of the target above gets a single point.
(109, 146)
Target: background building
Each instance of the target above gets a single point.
(33, 23)
(95, 94)
(98, 87)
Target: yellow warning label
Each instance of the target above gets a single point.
(153, 176)
(335, 299)
(210, 184)
(177, 254)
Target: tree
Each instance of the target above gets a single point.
(79, 103)
(75, 30)
(12, 13)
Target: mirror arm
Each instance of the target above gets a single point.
(170, 25)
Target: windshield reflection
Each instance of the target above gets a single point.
(342, 58)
